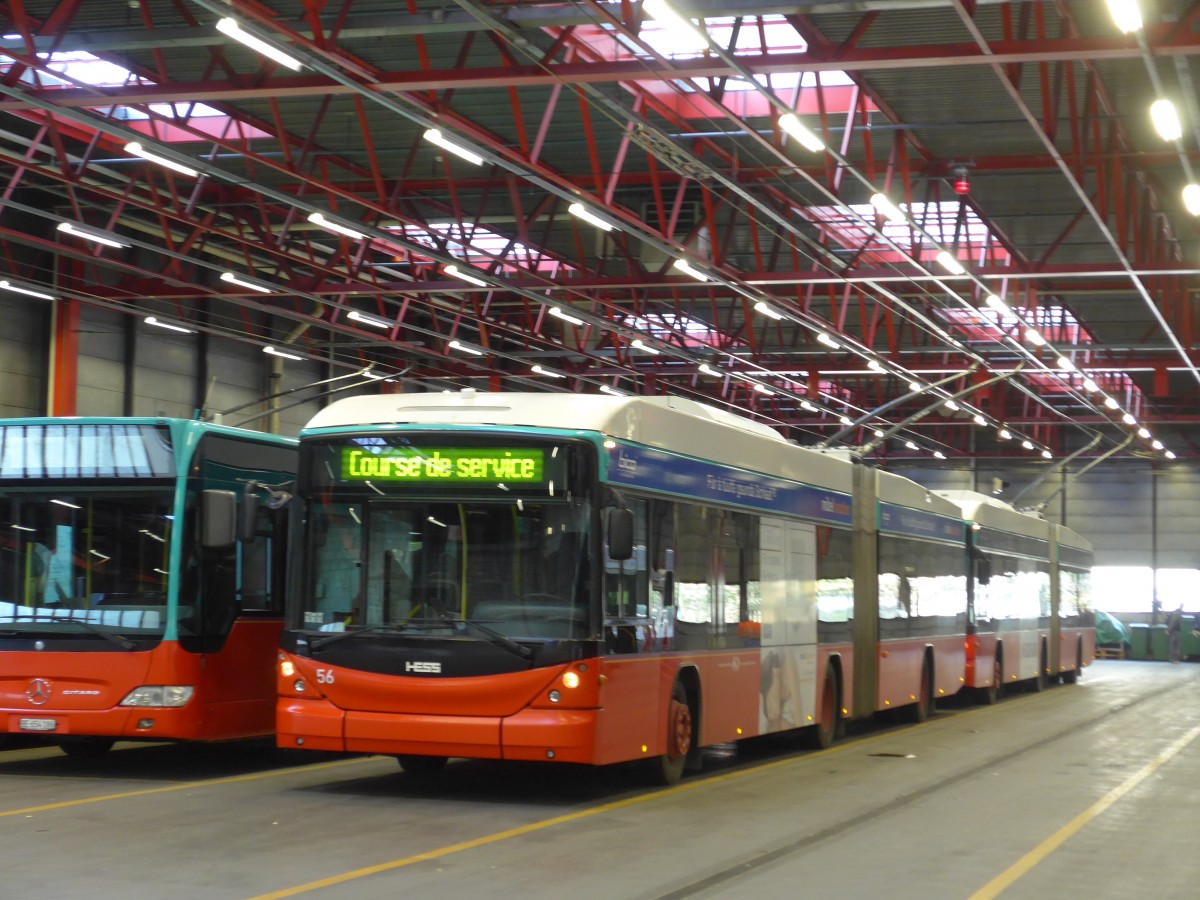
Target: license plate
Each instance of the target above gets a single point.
(37, 724)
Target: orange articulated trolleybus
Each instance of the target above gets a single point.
(599, 579)
(134, 602)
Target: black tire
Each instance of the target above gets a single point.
(668, 768)
(825, 732)
(88, 748)
(923, 708)
(994, 691)
(421, 766)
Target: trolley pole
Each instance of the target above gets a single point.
(866, 589)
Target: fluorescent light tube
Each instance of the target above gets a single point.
(828, 341)
(1126, 15)
(233, 29)
(321, 221)
(138, 150)
(682, 29)
(368, 319)
(767, 310)
(1166, 119)
(1191, 199)
(158, 323)
(456, 272)
(434, 136)
(459, 345)
(68, 228)
(233, 279)
(947, 261)
(887, 209)
(998, 305)
(549, 373)
(605, 389)
(582, 212)
(683, 266)
(639, 344)
(565, 316)
(280, 353)
(8, 286)
(792, 126)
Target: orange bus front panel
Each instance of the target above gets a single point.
(474, 736)
(561, 735)
(311, 724)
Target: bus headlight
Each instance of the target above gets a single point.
(287, 669)
(162, 695)
(571, 680)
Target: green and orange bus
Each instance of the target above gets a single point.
(136, 602)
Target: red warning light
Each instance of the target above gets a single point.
(962, 184)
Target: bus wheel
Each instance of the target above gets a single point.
(421, 766)
(825, 732)
(668, 768)
(993, 692)
(921, 710)
(87, 748)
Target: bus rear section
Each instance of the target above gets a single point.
(128, 608)
(1030, 612)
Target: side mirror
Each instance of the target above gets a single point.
(620, 534)
(218, 519)
(247, 527)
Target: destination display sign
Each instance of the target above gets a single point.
(445, 465)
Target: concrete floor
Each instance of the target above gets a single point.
(1091, 790)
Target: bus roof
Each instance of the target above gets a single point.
(675, 424)
(991, 512)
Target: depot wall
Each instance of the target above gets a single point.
(126, 367)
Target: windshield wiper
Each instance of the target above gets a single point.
(494, 637)
(500, 640)
(122, 642)
(342, 635)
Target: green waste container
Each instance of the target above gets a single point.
(1139, 641)
(1191, 637)
(1158, 642)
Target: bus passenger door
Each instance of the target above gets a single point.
(789, 624)
(234, 621)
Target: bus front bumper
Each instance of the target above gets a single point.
(561, 735)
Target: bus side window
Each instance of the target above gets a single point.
(694, 581)
(258, 570)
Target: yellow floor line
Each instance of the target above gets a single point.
(184, 786)
(1021, 867)
(366, 871)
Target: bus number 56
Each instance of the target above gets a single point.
(324, 676)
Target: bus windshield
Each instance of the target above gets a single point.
(511, 555)
(77, 562)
